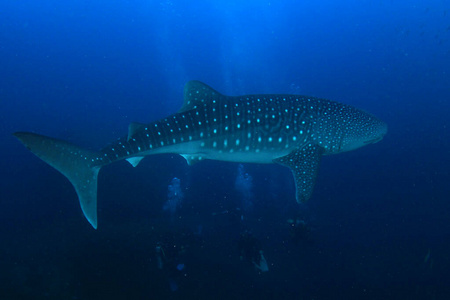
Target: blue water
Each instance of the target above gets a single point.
(83, 70)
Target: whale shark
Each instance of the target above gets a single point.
(291, 130)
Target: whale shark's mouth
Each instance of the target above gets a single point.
(373, 141)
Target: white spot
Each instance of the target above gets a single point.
(237, 142)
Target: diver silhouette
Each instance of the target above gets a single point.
(250, 251)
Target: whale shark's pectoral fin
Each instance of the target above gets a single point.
(304, 164)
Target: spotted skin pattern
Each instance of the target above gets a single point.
(291, 130)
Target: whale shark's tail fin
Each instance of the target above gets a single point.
(80, 166)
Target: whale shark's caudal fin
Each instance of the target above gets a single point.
(78, 165)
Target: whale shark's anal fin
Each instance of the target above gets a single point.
(80, 166)
(304, 164)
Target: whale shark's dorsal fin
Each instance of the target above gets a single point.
(197, 93)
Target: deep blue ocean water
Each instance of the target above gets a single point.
(379, 218)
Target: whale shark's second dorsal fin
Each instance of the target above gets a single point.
(197, 93)
(133, 128)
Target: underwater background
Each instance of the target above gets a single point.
(377, 225)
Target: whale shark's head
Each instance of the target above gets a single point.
(361, 130)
